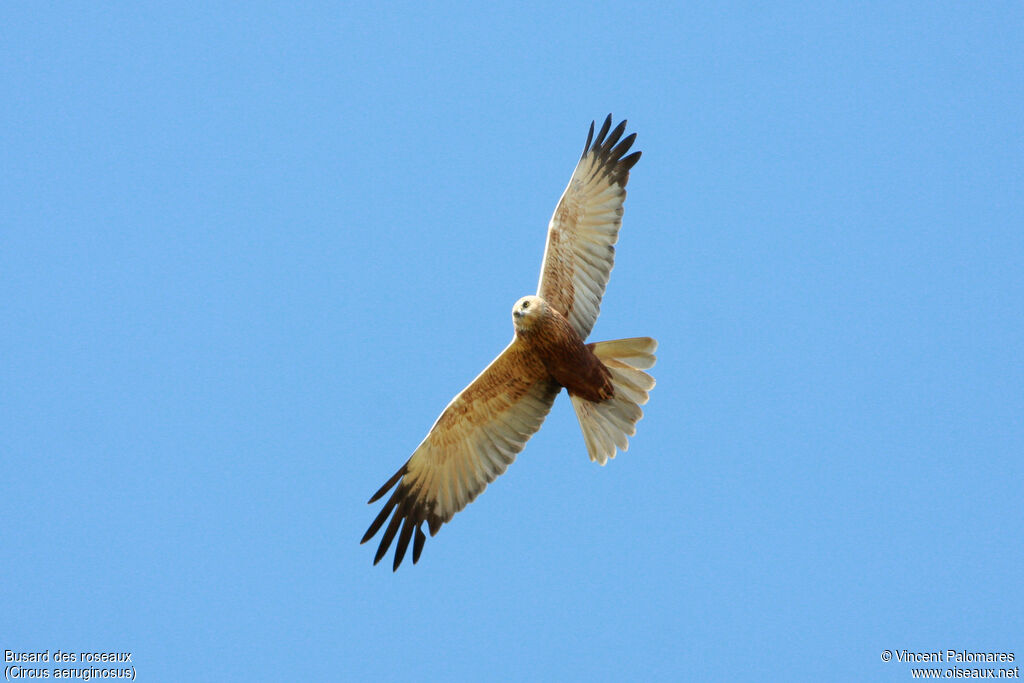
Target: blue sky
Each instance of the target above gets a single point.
(250, 251)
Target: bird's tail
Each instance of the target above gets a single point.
(607, 424)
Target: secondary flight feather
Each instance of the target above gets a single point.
(488, 423)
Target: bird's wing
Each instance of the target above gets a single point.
(476, 437)
(579, 253)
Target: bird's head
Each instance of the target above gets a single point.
(528, 311)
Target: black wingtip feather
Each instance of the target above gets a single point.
(630, 161)
(590, 138)
(380, 518)
(389, 483)
(604, 131)
(417, 544)
(621, 148)
(389, 535)
(403, 543)
(615, 135)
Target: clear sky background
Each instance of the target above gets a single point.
(250, 251)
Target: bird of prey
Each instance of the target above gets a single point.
(483, 428)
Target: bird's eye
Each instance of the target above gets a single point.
(526, 304)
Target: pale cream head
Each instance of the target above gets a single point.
(528, 311)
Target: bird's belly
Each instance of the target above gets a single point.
(580, 372)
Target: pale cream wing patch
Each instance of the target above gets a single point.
(580, 248)
(473, 441)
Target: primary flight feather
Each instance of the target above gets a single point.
(483, 428)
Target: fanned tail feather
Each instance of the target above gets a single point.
(607, 424)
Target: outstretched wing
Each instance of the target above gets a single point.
(476, 437)
(579, 254)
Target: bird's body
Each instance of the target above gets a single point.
(482, 429)
(547, 335)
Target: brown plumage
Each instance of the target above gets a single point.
(483, 428)
(568, 361)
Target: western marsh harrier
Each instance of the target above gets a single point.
(480, 432)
